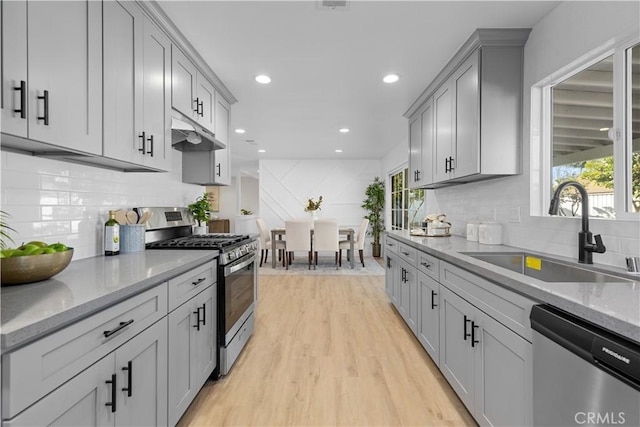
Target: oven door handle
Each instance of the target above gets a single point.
(232, 269)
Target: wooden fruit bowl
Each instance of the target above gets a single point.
(33, 268)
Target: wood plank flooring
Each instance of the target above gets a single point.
(328, 351)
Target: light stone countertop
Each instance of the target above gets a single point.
(614, 306)
(86, 286)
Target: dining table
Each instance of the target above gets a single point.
(278, 232)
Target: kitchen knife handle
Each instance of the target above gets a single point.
(129, 387)
(23, 99)
(113, 393)
(45, 98)
(150, 139)
(144, 141)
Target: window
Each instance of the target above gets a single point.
(591, 133)
(407, 206)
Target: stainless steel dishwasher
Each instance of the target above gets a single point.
(583, 375)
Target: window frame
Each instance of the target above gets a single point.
(405, 208)
(541, 127)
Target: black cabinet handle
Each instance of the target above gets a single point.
(204, 314)
(433, 302)
(404, 275)
(405, 253)
(45, 98)
(129, 387)
(218, 166)
(473, 334)
(446, 165)
(425, 265)
(388, 262)
(200, 280)
(450, 164)
(197, 110)
(197, 313)
(113, 393)
(23, 99)
(143, 137)
(417, 175)
(201, 108)
(150, 139)
(466, 335)
(122, 325)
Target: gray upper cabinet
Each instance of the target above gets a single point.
(52, 75)
(222, 173)
(415, 151)
(477, 110)
(421, 146)
(136, 101)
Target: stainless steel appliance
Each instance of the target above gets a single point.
(582, 374)
(170, 228)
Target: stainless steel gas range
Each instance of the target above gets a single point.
(171, 228)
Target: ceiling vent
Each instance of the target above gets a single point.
(332, 4)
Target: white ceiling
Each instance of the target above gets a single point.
(327, 67)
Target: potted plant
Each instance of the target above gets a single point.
(201, 209)
(374, 204)
(313, 207)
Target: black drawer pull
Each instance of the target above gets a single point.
(23, 99)
(129, 387)
(197, 110)
(197, 313)
(405, 253)
(121, 326)
(200, 280)
(144, 141)
(466, 335)
(150, 139)
(433, 300)
(204, 315)
(390, 244)
(45, 98)
(219, 167)
(425, 265)
(113, 393)
(473, 334)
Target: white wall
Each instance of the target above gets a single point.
(568, 32)
(55, 201)
(286, 185)
(250, 194)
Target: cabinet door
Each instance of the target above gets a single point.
(206, 98)
(503, 375)
(415, 151)
(222, 171)
(389, 276)
(428, 330)
(426, 177)
(122, 53)
(205, 338)
(467, 118)
(155, 94)
(183, 83)
(14, 68)
(65, 70)
(409, 299)
(456, 357)
(141, 366)
(443, 132)
(79, 402)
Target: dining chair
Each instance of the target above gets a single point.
(298, 238)
(265, 242)
(357, 244)
(325, 238)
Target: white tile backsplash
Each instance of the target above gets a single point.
(54, 201)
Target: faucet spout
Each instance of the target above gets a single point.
(585, 243)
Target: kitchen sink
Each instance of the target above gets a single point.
(545, 269)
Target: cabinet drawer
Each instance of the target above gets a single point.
(391, 245)
(38, 368)
(407, 253)
(187, 285)
(507, 307)
(429, 265)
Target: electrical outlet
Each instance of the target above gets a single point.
(514, 214)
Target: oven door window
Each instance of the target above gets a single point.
(238, 294)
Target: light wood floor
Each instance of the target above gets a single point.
(328, 351)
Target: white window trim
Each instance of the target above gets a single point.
(540, 132)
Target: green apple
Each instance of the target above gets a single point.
(58, 247)
(7, 253)
(38, 243)
(48, 250)
(28, 249)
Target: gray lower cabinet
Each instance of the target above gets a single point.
(408, 304)
(487, 364)
(127, 387)
(392, 279)
(428, 327)
(192, 346)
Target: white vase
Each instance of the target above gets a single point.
(199, 229)
(313, 214)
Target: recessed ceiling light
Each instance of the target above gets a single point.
(604, 129)
(240, 130)
(343, 130)
(338, 151)
(262, 151)
(263, 78)
(391, 78)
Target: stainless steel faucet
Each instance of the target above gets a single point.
(586, 247)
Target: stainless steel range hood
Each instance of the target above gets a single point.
(186, 135)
